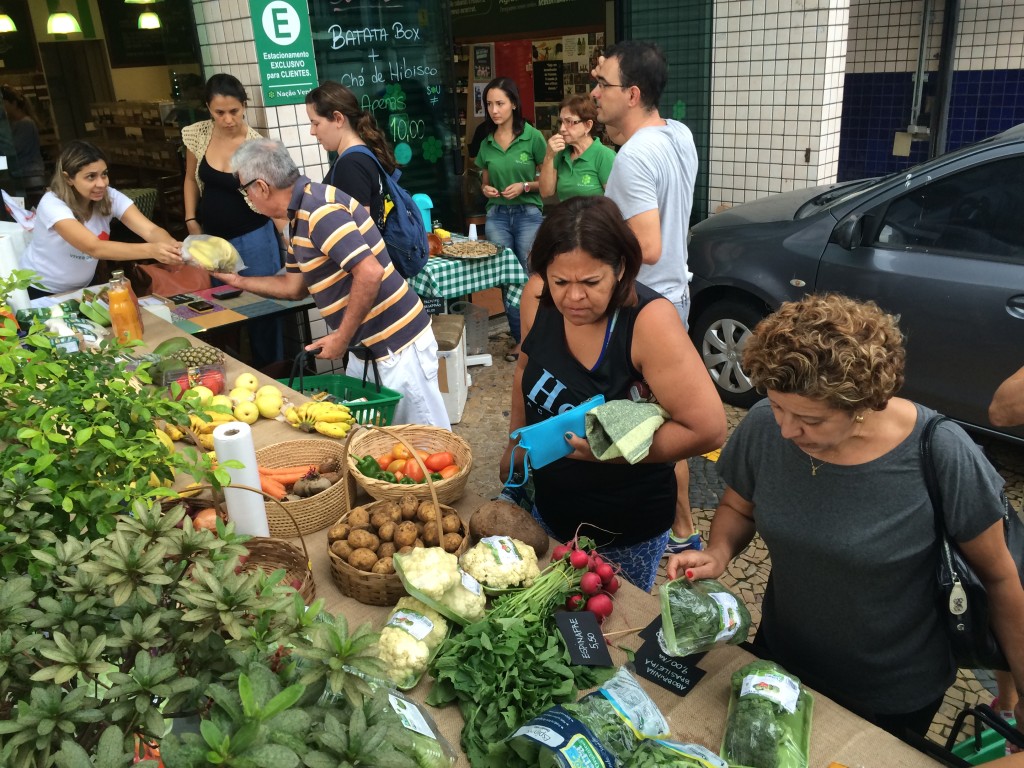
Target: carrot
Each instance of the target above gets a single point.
(289, 474)
(272, 487)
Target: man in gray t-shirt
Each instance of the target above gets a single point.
(652, 183)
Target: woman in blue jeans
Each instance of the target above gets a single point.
(510, 157)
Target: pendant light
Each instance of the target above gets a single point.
(149, 20)
(62, 24)
(7, 24)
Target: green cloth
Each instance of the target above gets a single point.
(518, 163)
(586, 175)
(623, 428)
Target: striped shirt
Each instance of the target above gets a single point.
(329, 234)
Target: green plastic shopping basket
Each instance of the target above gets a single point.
(987, 743)
(369, 403)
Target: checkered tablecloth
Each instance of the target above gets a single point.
(451, 278)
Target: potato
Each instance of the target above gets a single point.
(387, 531)
(427, 512)
(408, 506)
(405, 550)
(358, 517)
(339, 532)
(405, 534)
(418, 543)
(342, 549)
(378, 517)
(392, 509)
(360, 539)
(384, 565)
(386, 549)
(363, 559)
(451, 542)
(430, 536)
(451, 523)
(503, 518)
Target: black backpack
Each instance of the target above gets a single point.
(404, 234)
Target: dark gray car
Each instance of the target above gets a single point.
(941, 245)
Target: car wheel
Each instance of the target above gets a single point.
(719, 335)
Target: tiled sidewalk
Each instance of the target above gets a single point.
(485, 423)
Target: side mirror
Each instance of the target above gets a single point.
(849, 232)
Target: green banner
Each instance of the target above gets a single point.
(284, 50)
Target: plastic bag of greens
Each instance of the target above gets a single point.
(657, 753)
(428, 747)
(698, 615)
(603, 728)
(769, 720)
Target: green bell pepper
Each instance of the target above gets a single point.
(369, 467)
(407, 481)
(388, 477)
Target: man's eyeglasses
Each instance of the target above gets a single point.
(600, 82)
(569, 121)
(244, 189)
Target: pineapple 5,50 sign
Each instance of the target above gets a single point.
(284, 49)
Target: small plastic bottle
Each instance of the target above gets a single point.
(124, 313)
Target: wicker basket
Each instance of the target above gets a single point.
(317, 512)
(386, 588)
(377, 441)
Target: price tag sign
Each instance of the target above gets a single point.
(583, 638)
(284, 50)
(672, 673)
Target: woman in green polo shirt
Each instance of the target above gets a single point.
(576, 164)
(509, 158)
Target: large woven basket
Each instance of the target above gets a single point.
(319, 511)
(377, 441)
(381, 588)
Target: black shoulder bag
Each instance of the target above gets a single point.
(963, 602)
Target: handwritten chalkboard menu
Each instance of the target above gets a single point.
(18, 49)
(396, 58)
(547, 81)
(478, 18)
(128, 46)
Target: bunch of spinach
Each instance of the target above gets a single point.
(697, 615)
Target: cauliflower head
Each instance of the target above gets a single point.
(465, 602)
(500, 562)
(429, 570)
(409, 639)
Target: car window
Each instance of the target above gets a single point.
(974, 211)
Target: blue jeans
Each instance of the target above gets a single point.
(261, 253)
(515, 227)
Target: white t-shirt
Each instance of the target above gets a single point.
(60, 266)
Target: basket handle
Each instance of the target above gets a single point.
(299, 367)
(392, 432)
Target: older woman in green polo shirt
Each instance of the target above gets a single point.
(576, 164)
(509, 157)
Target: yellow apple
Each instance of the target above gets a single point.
(269, 406)
(247, 381)
(204, 394)
(268, 390)
(241, 395)
(247, 412)
(222, 400)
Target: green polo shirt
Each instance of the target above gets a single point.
(587, 174)
(517, 163)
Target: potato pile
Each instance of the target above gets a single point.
(371, 534)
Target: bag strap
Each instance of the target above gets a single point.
(931, 478)
(362, 149)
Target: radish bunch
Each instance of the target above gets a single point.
(598, 582)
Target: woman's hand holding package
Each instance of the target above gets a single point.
(165, 253)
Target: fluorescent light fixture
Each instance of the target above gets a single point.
(139, 2)
(7, 24)
(62, 24)
(149, 20)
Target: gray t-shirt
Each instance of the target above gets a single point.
(656, 169)
(850, 605)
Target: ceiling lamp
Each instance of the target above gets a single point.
(139, 2)
(62, 24)
(149, 20)
(7, 24)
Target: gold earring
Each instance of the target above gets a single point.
(859, 418)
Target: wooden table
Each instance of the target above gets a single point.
(837, 734)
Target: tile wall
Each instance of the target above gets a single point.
(777, 90)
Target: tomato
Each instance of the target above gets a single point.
(384, 461)
(398, 475)
(398, 465)
(399, 451)
(214, 380)
(437, 461)
(450, 471)
(414, 471)
(205, 518)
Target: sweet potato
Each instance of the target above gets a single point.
(503, 518)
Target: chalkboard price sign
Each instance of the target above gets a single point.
(547, 81)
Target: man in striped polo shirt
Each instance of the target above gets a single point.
(337, 255)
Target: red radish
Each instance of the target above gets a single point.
(590, 583)
(595, 560)
(579, 559)
(606, 572)
(574, 603)
(600, 605)
(559, 552)
(612, 586)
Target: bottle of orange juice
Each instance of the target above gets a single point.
(124, 314)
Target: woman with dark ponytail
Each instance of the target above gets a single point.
(339, 123)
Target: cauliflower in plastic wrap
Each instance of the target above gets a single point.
(430, 570)
(500, 562)
(410, 637)
(465, 601)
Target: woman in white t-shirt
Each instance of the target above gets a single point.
(72, 226)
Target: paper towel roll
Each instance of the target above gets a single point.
(246, 509)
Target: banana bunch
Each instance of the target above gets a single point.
(202, 427)
(212, 253)
(329, 419)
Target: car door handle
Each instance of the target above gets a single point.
(1015, 306)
